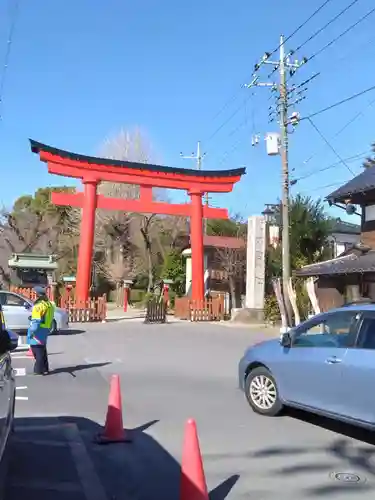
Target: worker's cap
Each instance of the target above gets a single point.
(39, 290)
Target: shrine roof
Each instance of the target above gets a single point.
(230, 242)
(355, 188)
(37, 147)
(348, 263)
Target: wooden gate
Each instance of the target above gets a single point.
(200, 310)
(156, 311)
(90, 310)
(94, 309)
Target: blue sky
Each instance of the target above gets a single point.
(81, 70)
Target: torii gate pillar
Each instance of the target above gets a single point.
(86, 242)
(196, 242)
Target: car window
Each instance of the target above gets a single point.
(333, 330)
(14, 300)
(366, 339)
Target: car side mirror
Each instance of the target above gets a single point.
(26, 305)
(286, 339)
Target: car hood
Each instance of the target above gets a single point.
(263, 346)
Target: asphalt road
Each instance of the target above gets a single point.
(168, 374)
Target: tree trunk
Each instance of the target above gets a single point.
(149, 264)
(148, 248)
(232, 292)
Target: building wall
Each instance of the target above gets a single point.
(341, 241)
(368, 225)
(189, 272)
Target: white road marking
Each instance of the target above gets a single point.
(20, 372)
(22, 398)
(21, 387)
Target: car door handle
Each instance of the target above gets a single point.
(333, 360)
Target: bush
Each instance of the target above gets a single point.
(271, 309)
(147, 296)
(137, 295)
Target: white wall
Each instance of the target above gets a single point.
(340, 239)
(189, 272)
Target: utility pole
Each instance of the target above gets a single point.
(199, 158)
(285, 236)
(283, 94)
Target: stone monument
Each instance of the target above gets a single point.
(255, 267)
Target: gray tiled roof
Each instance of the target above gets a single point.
(341, 226)
(352, 263)
(363, 182)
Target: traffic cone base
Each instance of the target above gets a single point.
(113, 431)
(193, 482)
(102, 439)
(29, 353)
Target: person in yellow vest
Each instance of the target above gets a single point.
(40, 326)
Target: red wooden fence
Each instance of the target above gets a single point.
(29, 292)
(94, 309)
(200, 310)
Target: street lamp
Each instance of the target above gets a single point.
(272, 213)
(268, 214)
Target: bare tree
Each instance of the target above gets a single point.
(27, 232)
(232, 260)
(118, 228)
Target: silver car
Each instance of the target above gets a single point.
(17, 311)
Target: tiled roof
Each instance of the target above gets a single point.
(344, 227)
(224, 242)
(362, 183)
(347, 264)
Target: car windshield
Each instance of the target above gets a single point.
(26, 299)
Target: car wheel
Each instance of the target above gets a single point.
(261, 392)
(53, 327)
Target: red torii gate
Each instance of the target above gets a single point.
(94, 170)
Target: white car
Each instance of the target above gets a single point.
(17, 311)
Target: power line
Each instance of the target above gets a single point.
(14, 17)
(302, 25)
(237, 110)
(352, 120)
(328, 186)
(336, 104)
(316, 33)
(350, 159)
(354, 25)
(229, 101)
(330, 146)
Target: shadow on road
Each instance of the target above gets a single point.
(77, 368)
(356, 457)
(67, 464)
(125, 319)
(72, 331)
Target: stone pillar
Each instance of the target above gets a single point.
(255, 266)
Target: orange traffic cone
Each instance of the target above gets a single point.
(113, 431)
(193, 482)
(29, 353)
